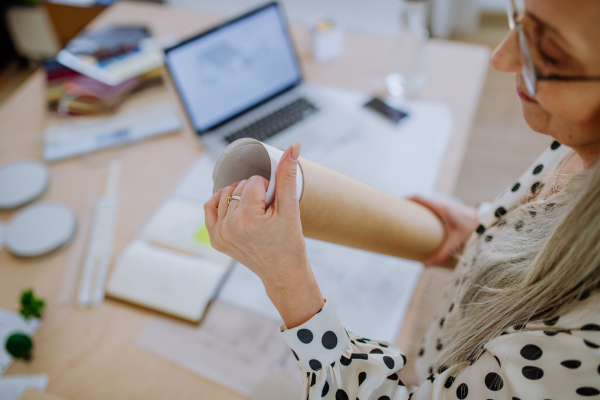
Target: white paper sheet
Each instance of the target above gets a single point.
(179, 224)
(12, 322)
(400, 159)
(370, 292)
(197, 184)
(12, 387)
(175, 223)
(232, 347)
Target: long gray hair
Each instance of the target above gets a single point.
(545, 258)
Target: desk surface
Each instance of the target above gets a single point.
(89, 353)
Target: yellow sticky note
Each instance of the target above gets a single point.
(202, 235)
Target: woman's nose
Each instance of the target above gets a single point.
(507, 56)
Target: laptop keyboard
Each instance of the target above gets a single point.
(275, 122)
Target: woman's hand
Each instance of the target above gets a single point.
(268, 241)
(459, 223)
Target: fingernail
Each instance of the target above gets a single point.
(295, 152)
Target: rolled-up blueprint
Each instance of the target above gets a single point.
(336, 208)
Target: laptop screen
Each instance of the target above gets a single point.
(234, 67)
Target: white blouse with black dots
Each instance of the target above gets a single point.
(557, 358)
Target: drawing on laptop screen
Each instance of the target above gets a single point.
(232, 68)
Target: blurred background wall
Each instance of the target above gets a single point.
(373, 16)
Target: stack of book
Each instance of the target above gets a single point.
(96, 72)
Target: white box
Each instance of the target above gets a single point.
(328, 44)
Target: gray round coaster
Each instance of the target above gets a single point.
(40, 228)
(276, 387)
(21, 182)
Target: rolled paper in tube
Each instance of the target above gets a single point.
(248, 157)
(336, 208)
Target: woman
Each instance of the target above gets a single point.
(522, 320)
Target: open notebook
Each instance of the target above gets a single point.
(171, 267)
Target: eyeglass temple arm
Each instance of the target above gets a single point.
(568, 78)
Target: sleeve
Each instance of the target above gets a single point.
(536, 364)
(337, 364)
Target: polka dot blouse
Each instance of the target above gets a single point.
(556, 358)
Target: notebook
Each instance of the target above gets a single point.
(171, 266)
(174, 283)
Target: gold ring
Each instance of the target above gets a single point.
(233, 198)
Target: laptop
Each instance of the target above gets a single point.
(242, 79)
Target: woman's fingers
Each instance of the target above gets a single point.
(433, 206)
(255, 192)
(285, 192)
(237, 192)
(210, 210)
(459, 223)
(227, 192)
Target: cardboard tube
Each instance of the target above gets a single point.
(248, 157)
(336, 208)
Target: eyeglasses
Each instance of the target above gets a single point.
(531, 75)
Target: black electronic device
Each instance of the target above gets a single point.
(391, 113)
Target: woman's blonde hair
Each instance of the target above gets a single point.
(546, 258)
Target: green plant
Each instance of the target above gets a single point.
(19, 345)
(31, 306)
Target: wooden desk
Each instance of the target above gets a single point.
(89, 353)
